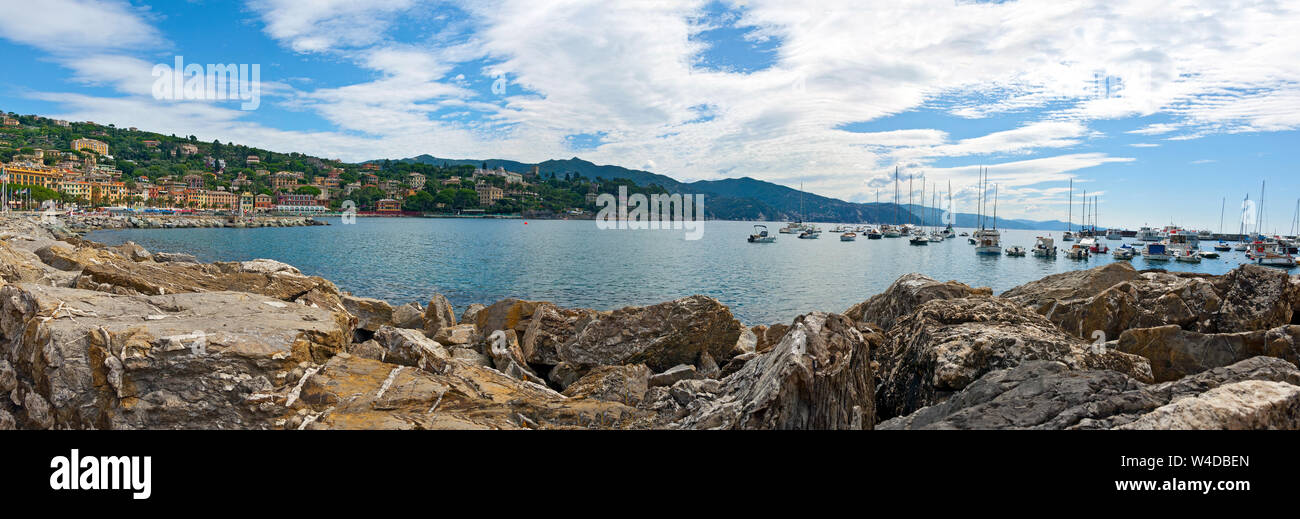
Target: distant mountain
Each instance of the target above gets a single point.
(747, 198)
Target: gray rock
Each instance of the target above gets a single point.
(907, 294)
(174, 257)
(675, 374)
(624, 384)
(371, 314)
(818, 377)
(1175, 353)
(411, 348)
(438, 315)
(1051, 395)
(660, 336)
(409, 315)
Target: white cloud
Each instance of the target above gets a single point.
(67, 26)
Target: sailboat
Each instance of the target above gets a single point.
(988, 241)
(1222, 246)
(1069, 235)
(918, 234)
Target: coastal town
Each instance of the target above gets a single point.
(51, 163)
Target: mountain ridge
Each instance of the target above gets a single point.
(747, 198)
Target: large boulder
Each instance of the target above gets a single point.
(211, 360)
(411, 348)
(438, 315)
(1255, 298)
(819, 376)
(549, 327)
(949, 343)
(1075, 284)
(1052, 395)
(371, 314)
(660, 336)
(409, 315)
(905, 295)
(1175, 353)
(122, 276)
(1105, 301)
(63, 256)
(354, 393)
(626, 385)
(507, 314)
(1248, 405)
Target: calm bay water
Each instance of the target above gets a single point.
(574, 264)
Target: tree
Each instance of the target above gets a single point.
(308, 190)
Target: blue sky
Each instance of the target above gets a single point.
(1162, 109)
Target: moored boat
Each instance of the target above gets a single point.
(1155, 252)
(848, 236)
(1016, 251)
(761, 235)
(1124, 252)
(1044, 247)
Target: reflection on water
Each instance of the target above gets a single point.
(574, 264)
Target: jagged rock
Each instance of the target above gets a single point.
(675, 374)
(905, 295)
(549, 327)
(949, 343)
(768, 336)
(8, 378)
(369, 349)
(1175, 353)
(7, 421)
(471, 356)
(622, 384)
(21, 266)
(503, 346)
(1051, 395)
(563, 375)
(737, 362)
(1249, 298)
(132, 251)
(661, 336)
(686, 391)
(470, 315)
(194, 360)
(1076, 284)
(438, 315)
(1255, 298)
(267, 266)
(459, 334)
(507, 314)
(746, 343)
(64, 257)
(818, 377)
(174, 257)
(409, 315)
(708, 367)
(151, 278)
(1252, 404)
(371, 314)
(354, 393)
(411, 348)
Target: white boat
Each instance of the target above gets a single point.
(918, 239)
(1209, 254)
(988, 241)
(1124, 252)
(761, 235)
(1093, 246)
(808, 234)
(1077, 252)
(1155, 252)
(935, 237)
(1016, 251)
(1148, 234)
(1222, 246)
(1186, 256)
(1276, 260)
(791, 228)
(1067, 236)
(848, 236)
(1114, 234)
(1044, 247)
(874, 234)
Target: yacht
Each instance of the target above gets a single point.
(1155, 252)
(988, 241)
(890, 231)
(1044, 247)
(1148, 234)
(948, 233)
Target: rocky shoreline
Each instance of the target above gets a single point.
(86, 223)
(96, 337)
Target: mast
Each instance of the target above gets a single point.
(896, 222)
(1223, 206)
(995, 207)
(1069, 208)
